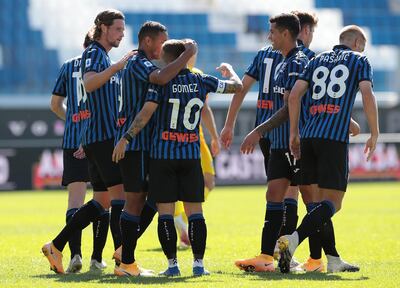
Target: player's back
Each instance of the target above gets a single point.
(176, 130)
(333, 78)
(69, 85)
(134, 85)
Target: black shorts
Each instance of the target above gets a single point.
(103, 171)
(75, 170)
(265, 146)
(324, 162)
(282, 164)
(135, 171)
(173, 180)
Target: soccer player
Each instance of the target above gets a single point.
(138, 74)
(75, 174)
(308, 21)
(101, 82)
(282, 168)
(174, 158)
(206, 157)
(333, 77)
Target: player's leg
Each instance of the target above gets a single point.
(100, 228)
(278, 176)
(290, 216)
(133, 168)
(331, 157)
(75, 176)
(181, 224)
(164, 190)
(89, 212)
(192, 195)
(76, 198)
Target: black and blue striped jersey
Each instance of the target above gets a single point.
(263, 68)
(309, 53)
(135, 83)
(284, 80)
(304, 100)
(176, 120)
(333, 78)
(69, 84)
(102, 102)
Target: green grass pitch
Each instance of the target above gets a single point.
(367, 233)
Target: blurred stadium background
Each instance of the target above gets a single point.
(39, 35)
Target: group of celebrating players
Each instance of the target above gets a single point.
(132, 130)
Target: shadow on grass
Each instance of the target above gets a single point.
(295, 276)
(111, 278)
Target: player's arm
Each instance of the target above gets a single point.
(207, 117)
(294, 105)
(354, 127)
(234, 84)
(57, 106)
(166, 74)
(140, 121)
(371, 112)
(226, 135)
(257, 133)
(94, 80)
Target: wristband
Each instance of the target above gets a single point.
(128, 137)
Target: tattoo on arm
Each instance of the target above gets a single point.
(136, 126)
(231, 87)
(276, 120)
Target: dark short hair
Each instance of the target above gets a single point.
(151, 29)
(88, 40)
(107, 18)
(306, 18)
(287, 21)
(173, 48)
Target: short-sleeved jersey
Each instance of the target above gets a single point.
(333, 78)
(135, 83)
(263, 68)
(176, 128)
(304, 100)
(102, 102)
(69, 85)
(284, 80)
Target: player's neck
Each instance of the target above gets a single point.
(287, 48)
(104, 43)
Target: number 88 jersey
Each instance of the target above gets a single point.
(176, 129)
(333, 78)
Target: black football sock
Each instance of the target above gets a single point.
(81, 219)
(272, 225)
(167, 235)
(314, 220)
(100, 231)
(76, 238)
(328, 239)
(197, 235)
(116, 208)
(129, 230)
(147, 215)
(314, 240)
(290, 217)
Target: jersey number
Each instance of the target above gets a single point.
(267, 76)
(186, 116)
(80, 89)
(320, 81)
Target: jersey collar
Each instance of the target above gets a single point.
(292, 52)
(341, 47)
(100, 46)
(184, 71)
